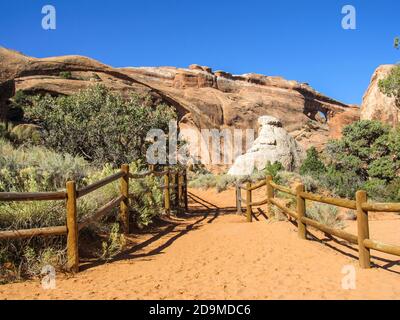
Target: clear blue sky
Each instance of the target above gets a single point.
(299, 40)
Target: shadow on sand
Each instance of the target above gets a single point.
(168, 228)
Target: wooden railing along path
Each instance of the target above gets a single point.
(361, 205)
(173, 179)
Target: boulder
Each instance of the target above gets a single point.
(376, 105)
(274, 144)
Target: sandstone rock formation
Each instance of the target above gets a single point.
(202, 98)
(273, 144)
(376, 105)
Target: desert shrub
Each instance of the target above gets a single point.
(99, 125)
(37, 169)
(114, 244)
(287, 178)
(65, 74)
(325, 214)
(277, 214)
(25, 134)
(223, 181)
(382, 191)
(367, 156)
(203, 181)
(148, 199)
(383, 168)
(273, 169)
(310, 183)
(15, 111)
(3, 131)
(341, 183)
(390, 86)
(33, 169)
(312, 164)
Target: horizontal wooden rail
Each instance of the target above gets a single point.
(99, 184)
(71, 230)
(382, 247)
(259, 203)
(361, 205)
(344, 203)
(103, 211)
(335, 232)
(140, 175)
(159, 174)
(282, 188)
(258, 185)
(291, 213)
(32, 196)
(381, 207)
(29, 233)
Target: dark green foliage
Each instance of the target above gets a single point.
(99, 125)
(312, 164)
(383, 168)
(15, 112)
(273, 169)
(391, 84)
(367, 157)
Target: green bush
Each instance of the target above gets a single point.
(99, 125)
(367, 156)
(35, 169)
(15, 112)
(312, 164)
(391, 84)
(273, 169)
(325, 214)
(26, 134)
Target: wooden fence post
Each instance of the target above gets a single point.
(185, 182)
(270, 194)
(124, 207)
(176, 191)
(362, 230)
(173, 193)
(301, 212)
(167, 195)
(238, 199)
(180, 192)
(248, 203)
(72, 227)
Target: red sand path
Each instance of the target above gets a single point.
(216, 255)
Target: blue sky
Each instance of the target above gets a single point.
(299, 40)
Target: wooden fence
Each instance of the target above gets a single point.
(361, 205)
(175, 183)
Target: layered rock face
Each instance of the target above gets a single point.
(203, 99)
(273, 144)
(376, 105)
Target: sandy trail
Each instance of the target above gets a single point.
(215, 254)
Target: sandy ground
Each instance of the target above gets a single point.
(215, 254)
